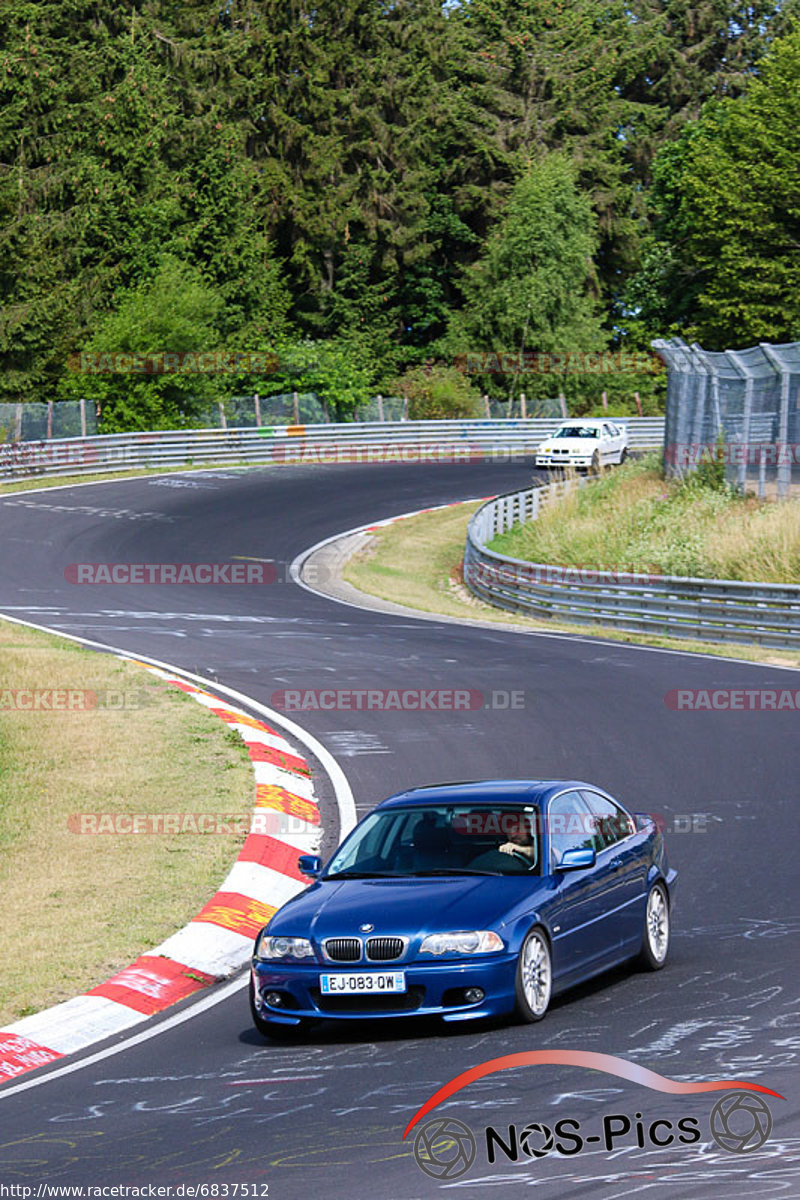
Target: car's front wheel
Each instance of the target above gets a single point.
(594, 469)
(272, 1029)
(534, 981)
(623, 455)
(655, 944)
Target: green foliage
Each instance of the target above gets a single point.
(438, 393)
(176, 312)
(725, 269)
(709, 474)
(396, 181)
(532, 289)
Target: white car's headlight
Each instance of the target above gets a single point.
(283, 947)
(479, 941)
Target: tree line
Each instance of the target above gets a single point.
(372, 189)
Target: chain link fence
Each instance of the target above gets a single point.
(740, 405)
(35, 422)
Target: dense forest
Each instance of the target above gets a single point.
(372, 191)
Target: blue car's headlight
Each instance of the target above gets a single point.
(283, 947)
(479, 941)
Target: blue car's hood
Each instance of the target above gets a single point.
(405, 906)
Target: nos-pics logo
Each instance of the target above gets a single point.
(445, 1148)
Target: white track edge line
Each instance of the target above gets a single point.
(207, 1001)
(414, 614)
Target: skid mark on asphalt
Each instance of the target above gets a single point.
(351, 742)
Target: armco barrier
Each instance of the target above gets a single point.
(406, 441)
(713, 610)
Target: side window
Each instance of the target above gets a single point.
(569, 825)
(611, 823)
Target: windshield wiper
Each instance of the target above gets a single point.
(361, 875)
(450, 871)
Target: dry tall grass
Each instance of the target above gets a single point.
(632, 520)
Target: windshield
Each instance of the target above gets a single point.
(481, 839)
(577, 431)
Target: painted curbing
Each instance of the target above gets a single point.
(218, 941)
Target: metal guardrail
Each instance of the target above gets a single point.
(406, 441)
(713, 610)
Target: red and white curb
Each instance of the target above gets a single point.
(219, 939)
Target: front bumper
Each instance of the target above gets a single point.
(563, 460)
(432, 989)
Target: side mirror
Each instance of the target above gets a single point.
(573, 860)
(310, 864)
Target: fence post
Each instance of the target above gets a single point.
(486, 409)
(762, 473)
(784, 464)
(522, 409)
(563, 402)
(296, 408)
(405, 408)
(380, 408)
(257, 404)
(82, 403)
(49, 419)
(741, 475)
(638, 402)
(605, 399)
(222, 419)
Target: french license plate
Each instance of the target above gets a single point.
(353, 984)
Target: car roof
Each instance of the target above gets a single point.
(584, 421)
(477, 791)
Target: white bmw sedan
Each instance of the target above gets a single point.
(587, 443)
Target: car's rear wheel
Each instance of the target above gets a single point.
(534, 980)
(272, 1029)
(655, 943)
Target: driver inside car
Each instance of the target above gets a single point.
(517, 853)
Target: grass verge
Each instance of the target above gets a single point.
(417, 562)
(75, 908)
(632, 519)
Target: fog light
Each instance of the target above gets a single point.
(473, 995)
(274, 999)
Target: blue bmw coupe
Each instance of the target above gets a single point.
(466, 900)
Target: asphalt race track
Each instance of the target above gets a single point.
(207, 1102)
